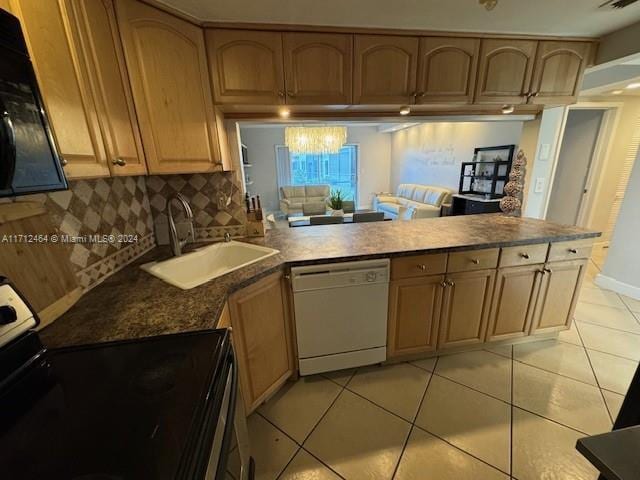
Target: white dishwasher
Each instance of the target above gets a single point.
(341, 314)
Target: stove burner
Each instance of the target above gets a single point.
(159, 375)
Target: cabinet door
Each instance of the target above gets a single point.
(447, 69)
(261, 338)
(318, 68)
(465, 310)
(246, 66)
(170, 80)
(385, 69)
(558, 295)
(62, 75)
(558, 71)
(504, 73)
(514, 301)
(414, 312)
(101, 50)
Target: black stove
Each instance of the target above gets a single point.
(130, 410)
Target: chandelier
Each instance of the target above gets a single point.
(315, 139)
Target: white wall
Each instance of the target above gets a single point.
(432, 153)
(541, 167)
(374, 161)
(621, 271)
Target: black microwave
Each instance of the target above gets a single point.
(29, 159)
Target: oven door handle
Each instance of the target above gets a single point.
(7, 149)
(229, 424)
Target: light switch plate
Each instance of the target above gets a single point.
(544, 151)
(539, 186)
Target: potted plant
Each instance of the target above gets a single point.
(335, 202)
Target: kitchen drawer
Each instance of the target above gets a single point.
(570, 250)
(473, 260)
(418, 265)
(523, 255)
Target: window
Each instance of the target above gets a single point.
(339, 170)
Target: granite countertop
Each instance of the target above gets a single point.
(133, 304)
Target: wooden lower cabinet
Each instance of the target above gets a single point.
(465, 308)
(514, 301)
(262, 338)
(558, 295)
(414, 315)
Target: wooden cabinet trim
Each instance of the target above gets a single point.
(469, 260)
(523, 255)
(418, 265)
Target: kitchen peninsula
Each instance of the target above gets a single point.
(456, 283)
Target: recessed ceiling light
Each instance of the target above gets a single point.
(405, 110)
(616, 92)
(284, 112)
(633, 85)
(507, 109)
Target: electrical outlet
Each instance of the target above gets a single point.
(539, 186)
(544, 151)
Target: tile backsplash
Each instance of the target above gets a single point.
(203, 191)
(105, 206)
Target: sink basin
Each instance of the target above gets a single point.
(198, 267)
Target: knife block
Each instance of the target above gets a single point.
(255, 227)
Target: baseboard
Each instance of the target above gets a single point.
(617, 286)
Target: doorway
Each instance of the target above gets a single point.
(574, 166)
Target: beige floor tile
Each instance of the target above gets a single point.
(472, 421)
(557, 357)
(600, 296)
(270, 448)
(504, 350)
(298, 406)
(611, 341)
(358, 439)
(612, 317)
(632, 303)
(613, 373)
(426, 363)
(305, 467)
(398, 388)
(482, 370)
(428, 457)
(614, 402)
(570, 335)
(546, 450)
(569, 402)
(341, 377)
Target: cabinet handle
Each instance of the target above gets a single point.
(121, 162)
(281, 94)
(63, 161)
(290, 94)
(525, 256)
(451, 283)
(421, 266)
(535, 94)
(443, 284)
(548, 270)
(420, 94)
(573, 250)
(475, 261)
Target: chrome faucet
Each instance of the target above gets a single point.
(176, 243)
(227, 237)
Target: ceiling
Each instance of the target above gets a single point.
(545, 17)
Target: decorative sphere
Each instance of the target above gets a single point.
(509, 204)
(513, 188)
(515, 175)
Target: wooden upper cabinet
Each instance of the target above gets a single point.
(504, 71)
(167, 63)
(414, 314)
(385, 69)
(466, 307)
(246, 66)
(67, 97)
(559, 291)
(318, 68)
(558, 71)
(447, 69)
(97, 35)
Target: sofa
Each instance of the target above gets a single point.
(413, 201)
(293, 197)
